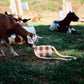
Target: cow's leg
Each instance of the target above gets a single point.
(1, 48)
(2, 51)
(12, 51)
(11, 48)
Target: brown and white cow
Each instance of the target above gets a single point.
(9, 26)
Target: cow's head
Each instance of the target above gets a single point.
(32, 40)
(72, 16)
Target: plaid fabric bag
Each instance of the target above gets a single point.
(47, 50)
(44, 50)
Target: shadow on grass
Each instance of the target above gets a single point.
(61, 41)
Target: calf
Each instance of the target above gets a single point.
(64, 25)
(16, 39)
(36, 19)
(23, 22)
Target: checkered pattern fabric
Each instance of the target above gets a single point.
(44, 50)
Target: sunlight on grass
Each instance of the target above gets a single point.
(34, 23)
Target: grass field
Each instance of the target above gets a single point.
(28, 69)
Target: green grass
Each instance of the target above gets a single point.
(27, 69)
(71, 72)
(44, 5)
(4, 2)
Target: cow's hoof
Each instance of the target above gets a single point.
(15, 54)
(75, 58)
(0, 55)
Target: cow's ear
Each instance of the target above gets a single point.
(30, 41)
